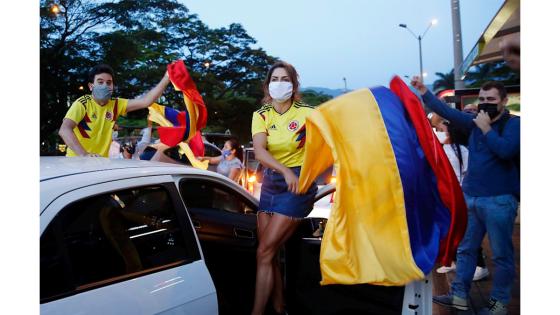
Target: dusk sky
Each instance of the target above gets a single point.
(327, 40)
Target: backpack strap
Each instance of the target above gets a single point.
(503, 124)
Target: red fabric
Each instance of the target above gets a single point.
(179, 75)
(196, 144)
(171, 136)
(448, 186)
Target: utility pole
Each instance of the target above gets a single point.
(457, 44)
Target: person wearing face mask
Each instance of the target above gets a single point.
(87, 127)
(470, 109)
(278, 131)
(491, 188)
(230, 162)
(453, 140)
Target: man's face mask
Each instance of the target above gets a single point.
(101, 92)
(280, 91)
(490, 109)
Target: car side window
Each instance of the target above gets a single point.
(113, 237)
(205, 194)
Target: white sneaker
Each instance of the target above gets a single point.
(445, 269)
(480, 273)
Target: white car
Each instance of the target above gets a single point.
(116, 239)
(142, 237)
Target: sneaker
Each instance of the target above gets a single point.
(495, 308)
(480, 273)
(453, 301)
(445, 269)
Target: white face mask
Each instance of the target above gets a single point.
(115, 135)
(441, 135)
(280, 91)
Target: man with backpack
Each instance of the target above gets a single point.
(491, 187)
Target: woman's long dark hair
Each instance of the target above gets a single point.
(238, 149)
(457, 137)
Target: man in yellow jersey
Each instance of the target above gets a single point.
(88, 125)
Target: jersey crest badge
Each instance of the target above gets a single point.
(293, 125)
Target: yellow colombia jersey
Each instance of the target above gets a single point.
(95, 123)
(285, 133)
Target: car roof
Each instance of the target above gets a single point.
(59, 174)
(58, 166)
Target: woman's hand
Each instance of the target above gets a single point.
(291, 180)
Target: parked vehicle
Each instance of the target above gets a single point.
(142, 237)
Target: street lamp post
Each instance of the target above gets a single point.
(420, 37)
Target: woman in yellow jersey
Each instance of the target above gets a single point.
(278, 131)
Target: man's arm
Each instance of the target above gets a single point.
(507, 145)
(66, 132)
(150, 97)
(460, 119)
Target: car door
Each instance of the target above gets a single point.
(122, 247)
(220, 212)
(224, 217)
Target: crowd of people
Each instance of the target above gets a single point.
(482, 143)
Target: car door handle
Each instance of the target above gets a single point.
(196, 224)
(243, 233)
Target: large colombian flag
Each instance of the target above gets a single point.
(399, 205)
(182, 127)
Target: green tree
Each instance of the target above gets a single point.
(445, 81)
(138, 38)
(314, 98)
(65, 54)
(498, 71)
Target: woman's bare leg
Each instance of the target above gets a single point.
(277, 294)
(277, 231)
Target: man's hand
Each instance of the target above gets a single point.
(418, 84)
(482, 121)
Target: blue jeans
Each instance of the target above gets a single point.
(495, 215)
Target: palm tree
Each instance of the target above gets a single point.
(446, 81)
(491, 71)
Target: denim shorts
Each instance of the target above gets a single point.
(276, 198)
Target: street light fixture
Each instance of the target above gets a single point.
(432, 22)
(55, 9)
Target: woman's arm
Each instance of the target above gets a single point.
(234, 174)
(211, 159)
(263, 156)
